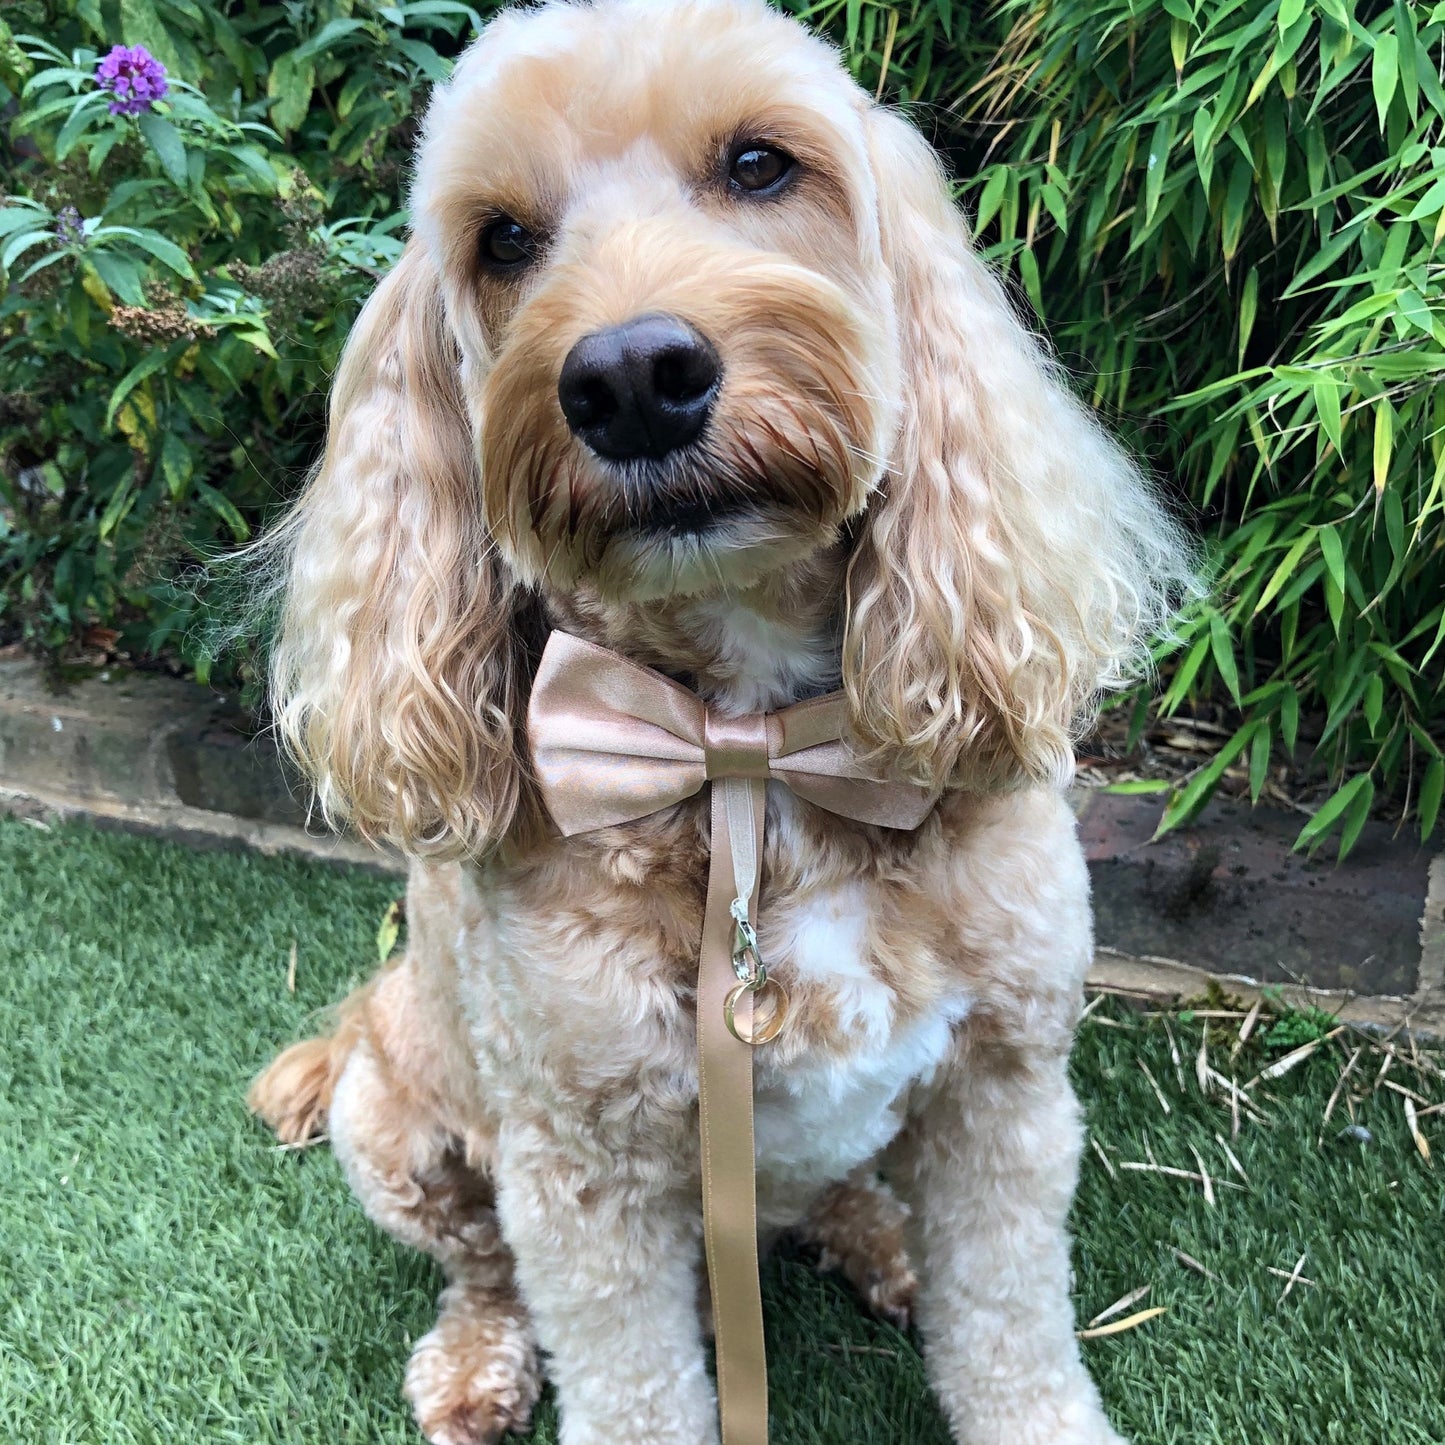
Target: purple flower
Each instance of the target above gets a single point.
(133, 76)
(69, 230)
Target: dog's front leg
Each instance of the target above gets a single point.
(607, 1255)
(990, 1166)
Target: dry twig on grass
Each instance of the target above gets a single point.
(1229, 1154)
(1294, 1277)
(1154, 1084)
(1335, 1094)
(1189, 1262)
(1103, 1158)
(1413, 1122)
(1120, 1305)
(1118, 1327)
(1292, 1060)
(1247, 1027)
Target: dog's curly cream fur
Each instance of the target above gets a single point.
(934, 524)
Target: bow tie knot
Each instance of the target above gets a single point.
(736, 747)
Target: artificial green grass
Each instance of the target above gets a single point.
(167, 1275)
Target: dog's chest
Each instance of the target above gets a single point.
(821, 1112)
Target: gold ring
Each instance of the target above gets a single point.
(772, 1026)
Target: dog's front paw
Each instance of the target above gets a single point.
(1074, 1423)
(470, 1390)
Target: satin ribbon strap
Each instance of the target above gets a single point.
(725, 1112)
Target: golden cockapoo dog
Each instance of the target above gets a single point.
(689, 354)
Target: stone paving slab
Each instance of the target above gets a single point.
(1225, 898)
(1230, 895)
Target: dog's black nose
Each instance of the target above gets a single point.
(641, 389)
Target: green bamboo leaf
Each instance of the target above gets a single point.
(992, 196)
(1410, 305)
(1236, 203)
(1222, 646)
(1289, 718)
(1184, 677)
(1333, 810)
(1384, 442)
(1432, 787)
(1029, 275)
(1187, 802)
(1428, 204)
(1327, 404)
(1157, 166)
(1203, 146)
(1289, 12)
(1334, 602)
(1282, 573)
(1334, 553)
(1053, 199)
(1405, 41)
(1248, 302)
(1259, 753)
(1179, 43)
(1357, 815)
(1276, 141)
(1373, 702)
(1385, 73)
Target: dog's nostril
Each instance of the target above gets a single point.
(639, 390)
(594, 400)
(684, 373)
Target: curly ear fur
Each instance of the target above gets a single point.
(1016, 563)
(396, 677)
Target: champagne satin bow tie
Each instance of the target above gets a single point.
(613, 742)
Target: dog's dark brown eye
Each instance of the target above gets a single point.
(507, 243)
(760, 169)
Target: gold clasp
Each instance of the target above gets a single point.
(753, 979)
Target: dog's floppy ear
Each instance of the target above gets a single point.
(1014, 562)
(397, 670)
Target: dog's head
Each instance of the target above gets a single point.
(681, 309)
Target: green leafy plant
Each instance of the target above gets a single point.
(1228, 214)
(180, 267)
(1231, 211)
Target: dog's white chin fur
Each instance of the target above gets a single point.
(730, 555)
